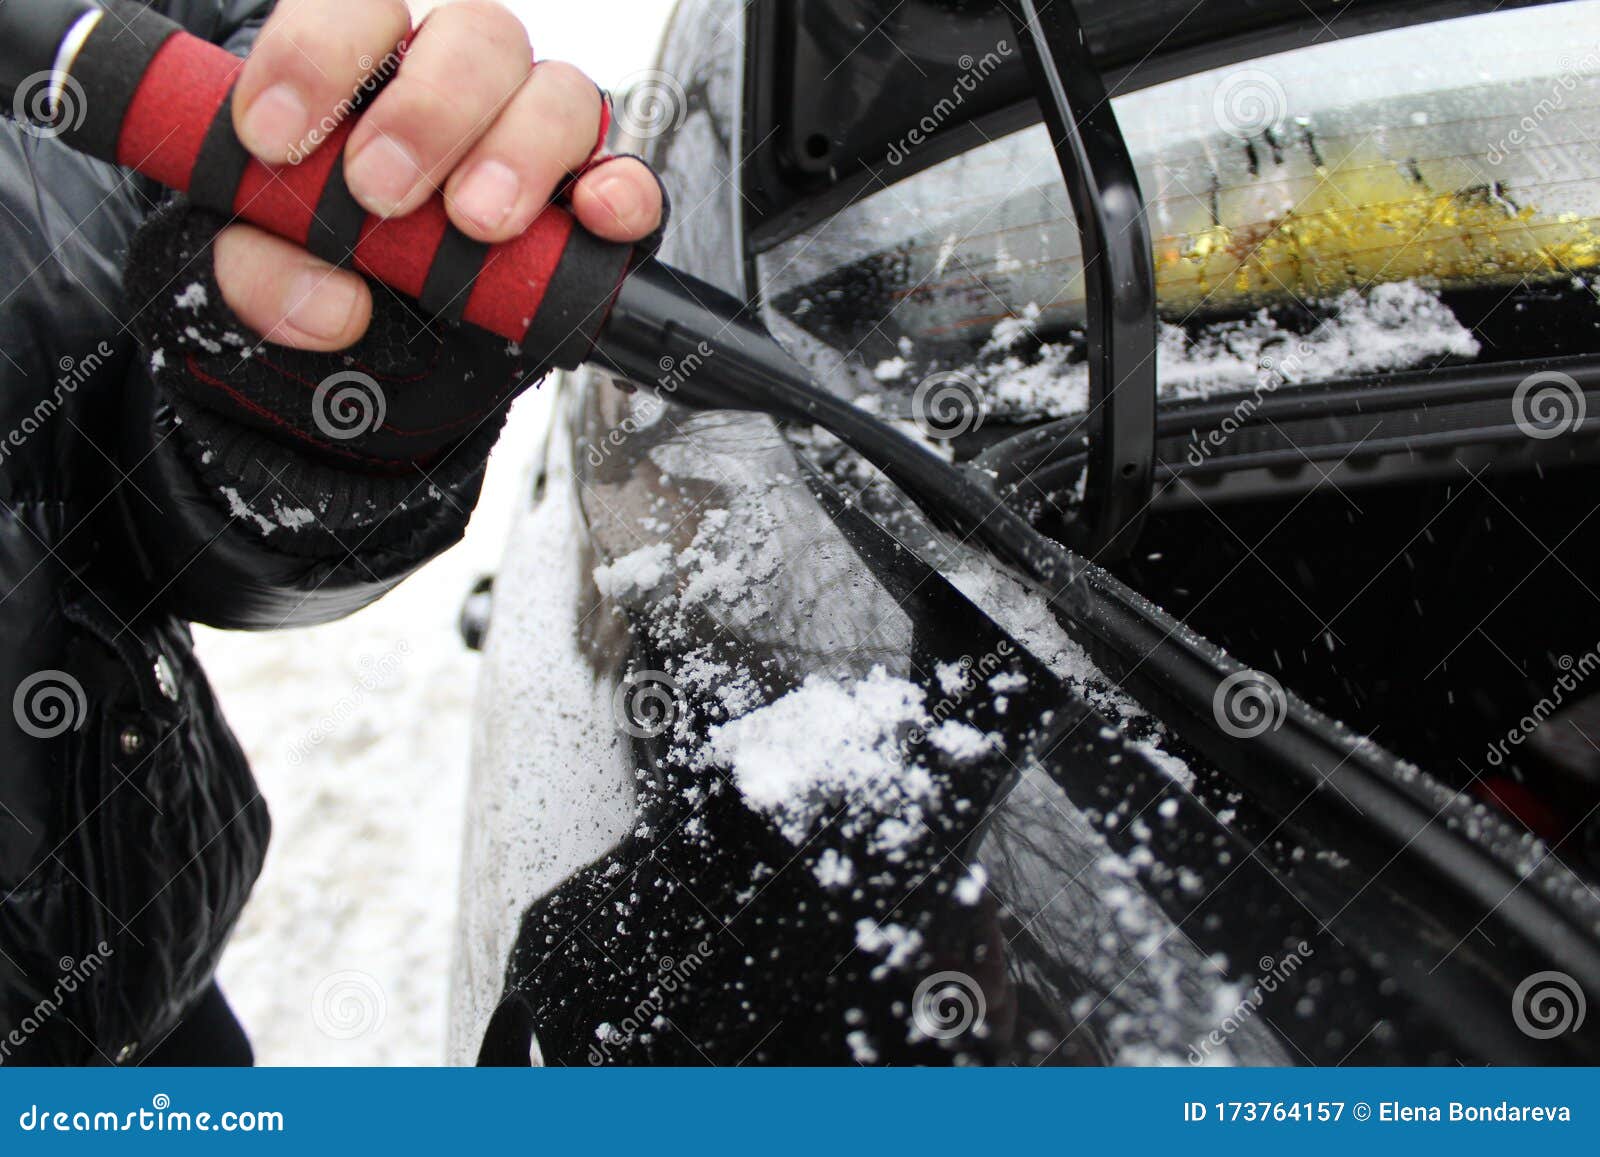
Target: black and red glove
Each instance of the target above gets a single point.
(408, 390)
(396, 400)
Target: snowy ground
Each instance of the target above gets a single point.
(358, 732)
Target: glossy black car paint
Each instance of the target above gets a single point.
(1229, 882)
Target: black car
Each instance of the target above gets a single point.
(1284, 320)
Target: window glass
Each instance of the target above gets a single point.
(1350, 208)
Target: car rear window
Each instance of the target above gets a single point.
(1350, 208)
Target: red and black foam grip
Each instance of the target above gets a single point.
(158, 100)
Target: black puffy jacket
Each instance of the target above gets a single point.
(131, 831)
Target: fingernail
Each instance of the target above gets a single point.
(488, 193)
(621, 197)
(320, 304)
(275, 121)
(382, 174)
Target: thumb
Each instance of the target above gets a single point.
(286, 294)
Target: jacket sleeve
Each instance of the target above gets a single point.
(230, 23)
(235, 530)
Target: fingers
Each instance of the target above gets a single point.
(546, 132)
(306, 63)
(287, 295)
(465, 64)
(466, 111)
(618, 200)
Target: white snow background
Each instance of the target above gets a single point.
(358, 733)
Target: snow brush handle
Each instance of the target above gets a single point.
(130, 86)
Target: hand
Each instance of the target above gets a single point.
(466, 112)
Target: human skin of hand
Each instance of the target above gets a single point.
(467, 112)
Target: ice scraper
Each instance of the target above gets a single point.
(129, 86)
